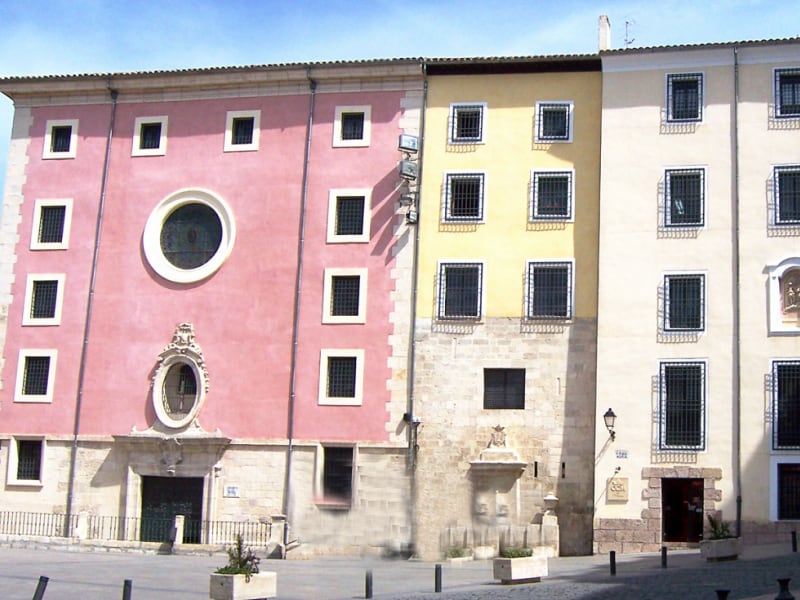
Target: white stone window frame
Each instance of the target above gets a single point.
(338, 142)
(452, 126)
(358, 398)
(669, 78)
(775, 205)
(776, 91)
(441, 290)
(449, 177)
(13, 462)
(136, 150)
(669, 331)
(46, 398)
(151, 239)
(327, 296)
(665, 218)
(363, 237)
(536, 174)
(529, 290)
(570, 106)
(27, 319)
(232, 115)
(319, 477)
(661, 412)
(775, 459)
(47, 152)
(775, 272)
(37, 218)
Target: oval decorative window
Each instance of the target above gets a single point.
(181, 380)
(189, 235)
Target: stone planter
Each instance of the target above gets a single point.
(528, 569)
(724, 549)
(235, 587)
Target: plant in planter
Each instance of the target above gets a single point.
(518, 565)
(241, 579)
(720, 543)
(458, 554)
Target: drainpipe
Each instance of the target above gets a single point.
(737, 351)
(73, 457)
(411, 420)
(296, 320)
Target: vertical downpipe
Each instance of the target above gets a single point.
(73, 457)
(737, 350)
(296, 319)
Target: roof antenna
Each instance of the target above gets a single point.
(628, 40)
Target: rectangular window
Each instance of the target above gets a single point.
(786, 405)
(348, 216)
(460, 291)
(35, 374)
(345, 296)
(552, 196)
(29, 460)
(341, 377)
(684, 302)
(43, 299)
(787, 93)
(682, 405)
(51, 224)
(337, 475)
(149, 136)
(242, 130)
(463, 197)
(685, 97)
(549, 290)
(352, 126)
(786, 195)
(554, 121)
(788, 491)
(684, 197)
(60, 138)
(466, 123)
(504, 388)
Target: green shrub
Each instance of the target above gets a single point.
(456, 552)
(241, 560)
(516, 552)
(720, 530)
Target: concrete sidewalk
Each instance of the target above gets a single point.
(100, 576)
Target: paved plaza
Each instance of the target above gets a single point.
(100, 575)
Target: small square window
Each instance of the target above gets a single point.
(788, 491)
(684, 97)
(552, 196)
(786, 405)
(467, 123)
(549, 290)
(149, 136)
(682, 405)
(242, 130)
(337, 477)
(554, 121)
(460, 291)
(26, 461)
(345, 296)
(348, 216)
(341, 377)
(787, 93)
(35, 374)
(43, 299)
(60, 138)
(463, 197)
(504, 388)
(51, 224)
(351, 126)
(684, 303)
(684, 197)
(786, 195)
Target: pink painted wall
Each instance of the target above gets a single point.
(243, 313)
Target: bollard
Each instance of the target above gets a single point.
(437, 579)
(368, 584)
(612, 562)
(794, 541)
(722, 594)
(784, 593)
(40, 588)
(127, 587)
(663, 557)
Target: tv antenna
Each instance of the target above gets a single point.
(628, 40)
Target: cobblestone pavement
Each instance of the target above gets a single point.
(99, 575)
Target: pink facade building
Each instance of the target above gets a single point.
(208, 278)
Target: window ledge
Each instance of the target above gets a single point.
(332, 504)
(33, 483)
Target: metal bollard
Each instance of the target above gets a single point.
(437, 579)
(612, 562)
(784, 593)
(127, 587)
(794, 541)
(368, 584)
(40, 588)
(663, 557)
(722, 594)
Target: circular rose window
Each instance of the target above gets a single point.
(189, 235)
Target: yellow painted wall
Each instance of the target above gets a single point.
(506, 239)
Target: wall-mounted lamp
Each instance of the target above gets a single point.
(610, 418)
(406, 200)
(411, 216)
(408, 143)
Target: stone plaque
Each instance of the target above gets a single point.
(617, 489)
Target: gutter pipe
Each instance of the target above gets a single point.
(737, 353)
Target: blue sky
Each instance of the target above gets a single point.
(39, 37)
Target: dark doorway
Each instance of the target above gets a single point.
(165, 497)
(682, 509)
